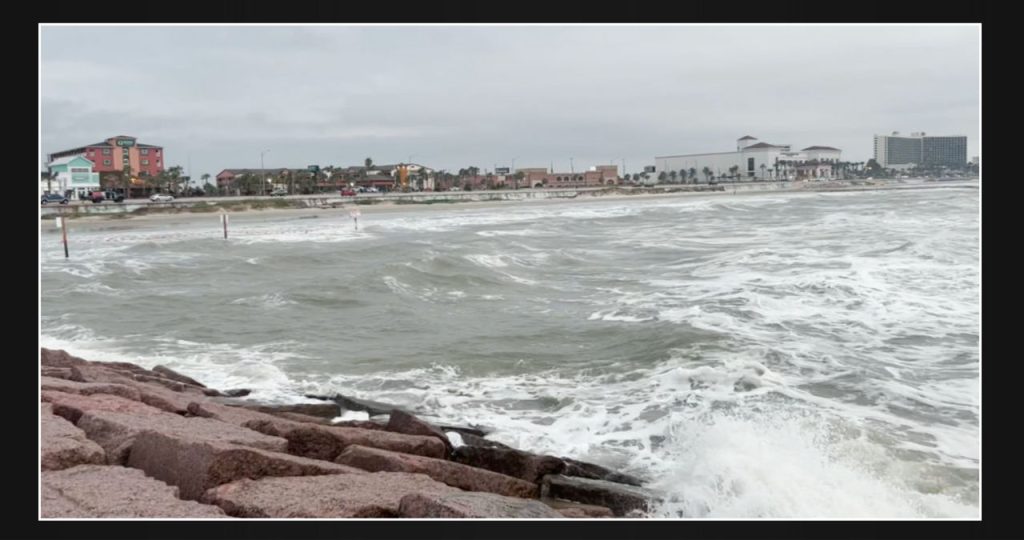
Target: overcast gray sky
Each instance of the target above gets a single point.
(455, 96)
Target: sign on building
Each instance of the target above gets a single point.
(501, 170)
(648, 168)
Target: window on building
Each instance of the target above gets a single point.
(145, 162)
(144, 151)
(158, 163)
(750, 165)
(106, 162)
(79, 170)
(106, 151)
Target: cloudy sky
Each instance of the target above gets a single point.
(454, 96)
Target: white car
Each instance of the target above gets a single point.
(159, 197)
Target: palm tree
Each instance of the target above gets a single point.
(368, 163)
(733, 170)
(763, 168)
(662, 176)
(693, 175)
(673, 175)
(707, 173)
(126, 179)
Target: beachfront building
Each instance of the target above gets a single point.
(112, 156)
(919, 149)
(72, 176)
(536, 177)
(752, 160)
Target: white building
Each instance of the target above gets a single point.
(754, 160)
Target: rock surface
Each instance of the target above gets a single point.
(116, 432)
(97, 491)
(448, 472)
(596, 472)
(73, 406)
(328, 442)
(620, 498)
(403, 422)
(472, 505)
(195, 466)
(62, 445)
(169, 373)
(333, 496)
(511, 462)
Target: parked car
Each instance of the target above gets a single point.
(160, 197)
(99, 196)
(279, 192)
(54, 197)
(347, 192)
(372, 190)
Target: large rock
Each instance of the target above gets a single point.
(116, 432)
(55, 372)
(578, 510)
(472, 505)
(508, 461)
(373, 408)
(332, 496)
(620, 498)
(63, 445)
(476, 440)
(364, 424)
(175, 376)
(327, 442)
(155, 395)
(403, 422)
(58, 358)
(73, 406)
(597, 472)
(198, 465)
(88, 389)
(321, 410)
(95, 491)
(448, 472)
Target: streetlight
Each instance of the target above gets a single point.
(264, 170)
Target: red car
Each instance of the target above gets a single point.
(348, 192)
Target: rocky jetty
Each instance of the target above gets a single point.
(122, 441)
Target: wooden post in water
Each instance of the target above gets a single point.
(63, 224)
(224, 222)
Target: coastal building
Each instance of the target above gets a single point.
(753, 160)
(919, 149)
(73, 176)
(598, 175)
(111, 156)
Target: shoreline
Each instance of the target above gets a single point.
(125, 221)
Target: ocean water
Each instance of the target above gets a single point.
(804, 355)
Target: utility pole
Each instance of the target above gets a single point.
(264, 170)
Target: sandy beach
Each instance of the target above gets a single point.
(129, 221)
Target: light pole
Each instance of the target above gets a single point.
(572, 172)
(263, 187)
